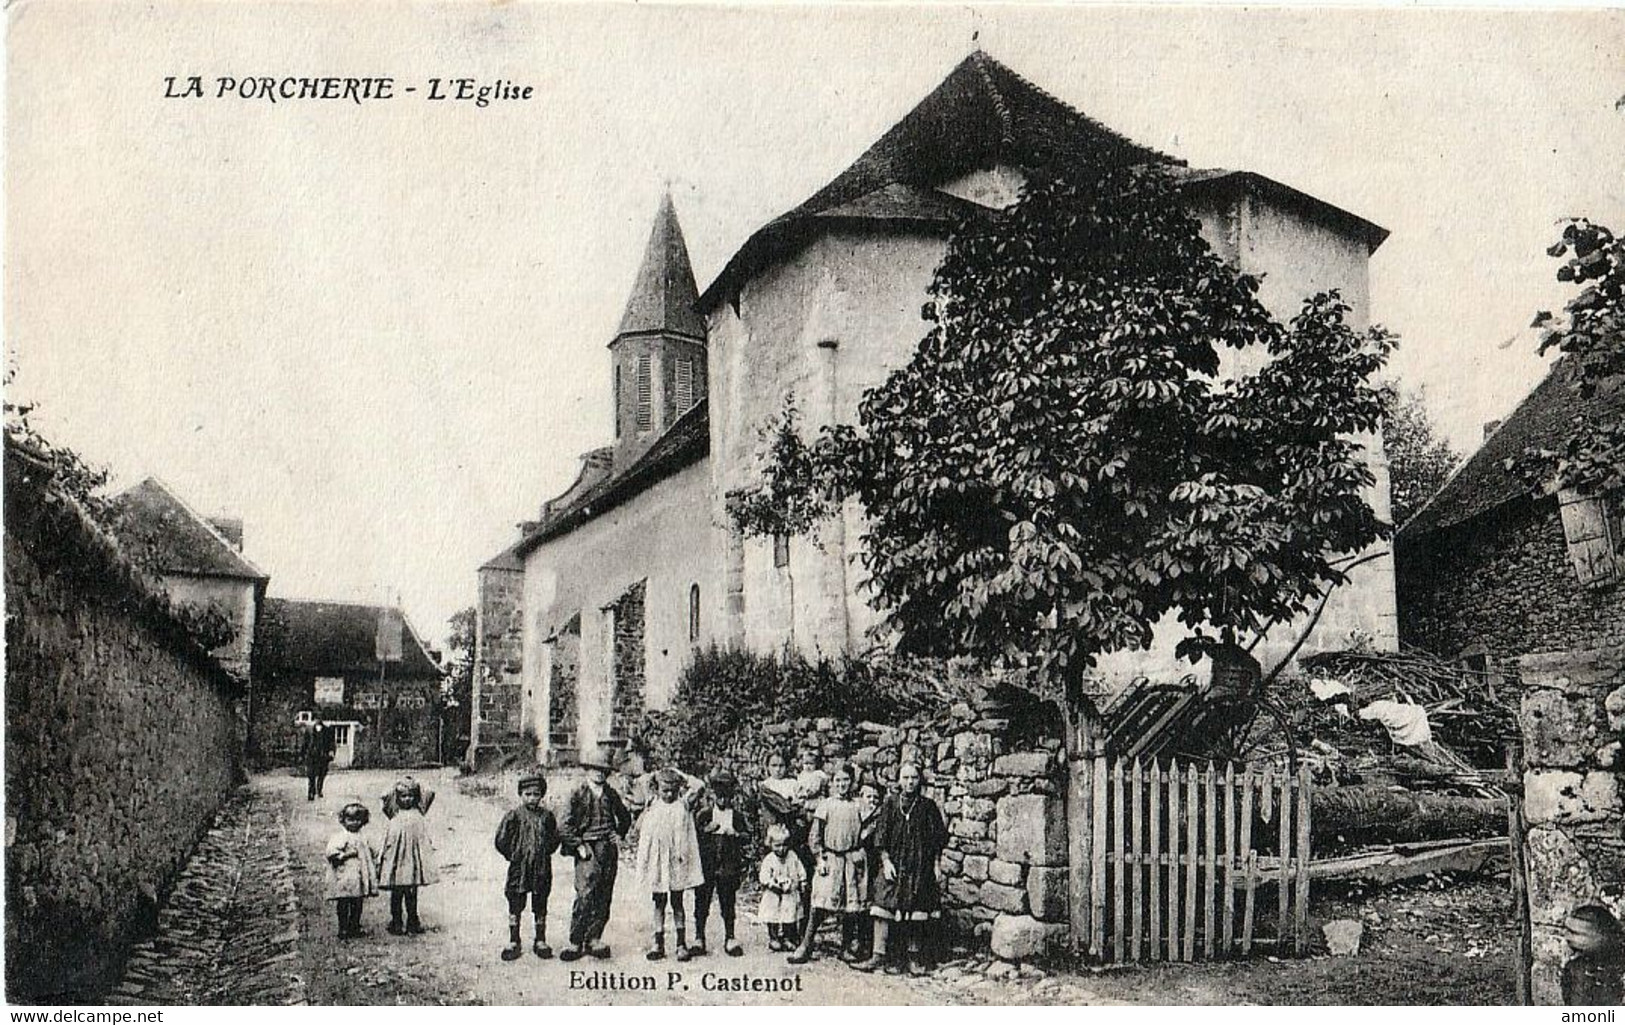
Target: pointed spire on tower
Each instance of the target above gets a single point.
(664, 297)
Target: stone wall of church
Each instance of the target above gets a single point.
(664, 537)
(498, 659)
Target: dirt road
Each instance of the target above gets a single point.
(456, 961)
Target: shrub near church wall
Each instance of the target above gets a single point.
(120, 745)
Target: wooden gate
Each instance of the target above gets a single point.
(1182, 861)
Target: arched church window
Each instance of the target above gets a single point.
(693, 612)
(781, 551)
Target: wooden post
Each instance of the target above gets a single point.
(1079, 834)
(1118, 932)
(1137, 853)
(1171, 842)
(1249, 859)
(1230, 804)
(1283, 879)
(1097, 861)
(1519, 875)
(1300, 919)
(1192, 856)
(1154, 866)
(1209, 865)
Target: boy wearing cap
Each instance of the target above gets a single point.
(527, 836)
(594, 820)
(722, 829)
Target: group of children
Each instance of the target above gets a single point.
(404, 861)
(835, 849)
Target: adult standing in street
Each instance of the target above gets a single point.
(909, 836)
(316, 752)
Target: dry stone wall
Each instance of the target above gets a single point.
(999, 776)
(1573, 721)
(121, 742)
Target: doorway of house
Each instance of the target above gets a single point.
(343, 743)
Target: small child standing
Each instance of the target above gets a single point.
(722, 829)
(840, 885)
(527, 836)
(352, 869)
(784, 881)
(669, 859)
(406, 860)
(1595, 975)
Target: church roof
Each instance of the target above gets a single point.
(1483, 482)
(982, 114)
(664, 297)
(162, 532)
(686, 442)
(330, 638)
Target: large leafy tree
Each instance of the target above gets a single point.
(1062, 462)
(1419, 461)
(1590, 455)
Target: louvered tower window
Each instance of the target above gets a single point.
(617, 401)
(685, 386)
(645, 398)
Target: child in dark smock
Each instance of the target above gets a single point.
(840, 882)
(406, 860)
(723, 830)
(527, 836)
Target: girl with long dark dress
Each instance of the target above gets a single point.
(909, 837)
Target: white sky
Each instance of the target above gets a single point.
(377, 333)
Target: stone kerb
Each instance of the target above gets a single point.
(1573, 718)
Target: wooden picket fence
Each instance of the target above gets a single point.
(1182, 859)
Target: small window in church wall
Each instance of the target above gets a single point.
(781, 550)
(645, 411)
(693, 613)
(685, 386)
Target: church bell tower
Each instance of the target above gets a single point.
(658, 355)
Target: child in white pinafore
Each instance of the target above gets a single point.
(669, 859)
(784, 882)
(352, 869)
(406, 860)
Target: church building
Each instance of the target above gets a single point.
(588, 619)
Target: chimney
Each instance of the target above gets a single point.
(1490, 427)
(231, 528)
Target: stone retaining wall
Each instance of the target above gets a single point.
(1000, 777)
(1573, 721)
(121, 742)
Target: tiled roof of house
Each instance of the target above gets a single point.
(1541, 420)
(686, 441)
(332, 638)
(159, 529)
(983, 113)
(664, 297)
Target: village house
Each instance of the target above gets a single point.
(361, 668)
(1489, 570)
(198, 560)
(589, 617)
